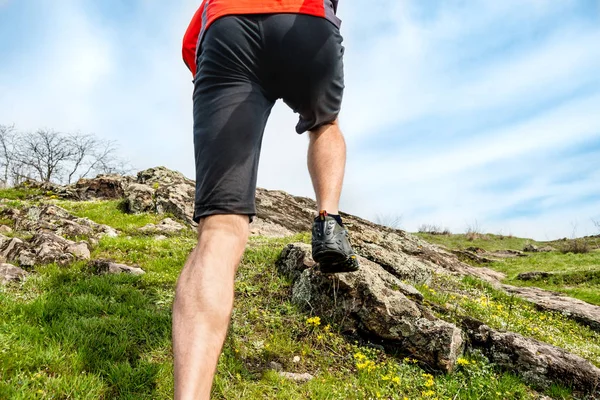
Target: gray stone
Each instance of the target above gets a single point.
(110, 186)
(538, 363)
(10, 273)
(374, 302)
(531, 248)
(139, 198)
(27, 258)
(298, 378)
(108, 267)
(578, 310)
(51, 248)
(5, 229)
(79, 250)
(11, 248)
(275, 366)
(177, 200)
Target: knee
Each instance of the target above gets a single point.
(235, 225)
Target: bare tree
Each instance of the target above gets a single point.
(50, 156)
(7, 137)
(92, 155)
(45, 152)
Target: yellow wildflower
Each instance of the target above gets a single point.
(462, 361)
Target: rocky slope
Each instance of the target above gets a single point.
(380, 302)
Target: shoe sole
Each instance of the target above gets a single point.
(331, 262)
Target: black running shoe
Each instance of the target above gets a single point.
(330, 246)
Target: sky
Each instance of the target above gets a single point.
(456, 113)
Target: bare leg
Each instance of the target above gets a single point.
(326, 164)
(203, 303)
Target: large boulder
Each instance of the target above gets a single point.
(177, 200)
(374, 303)
(539, 363)
(139, 198)
(110, 186)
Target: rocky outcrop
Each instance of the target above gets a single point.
(109, 186)
(43, 248)
(9, 273)
(539, 363)
(578, 310)
(49, 217)
(374, 303)
(531, 248)
(162, 191)
(139, 198)
(102, 266)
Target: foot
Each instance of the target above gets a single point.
(330, 246)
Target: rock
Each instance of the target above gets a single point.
(11, 248)
(79, 250)
(178, 200)
(51, 248)
(259, 227)
(10, 273)
(275, 366)
(507, 253)
(160, 237)
(578, 310)
(167, 226)
(27, 258)
(531, 248)
(534, 275)
(5, 229)
(546, 249)
(111, 186)
(139, 198)
(50, 217)
(375, 303)
(298, 378)
(108, 267)
(472, 256)
(538, 363)
(296, 359)
(162, 176)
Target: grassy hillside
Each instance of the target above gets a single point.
(66, 333)
(575, 274)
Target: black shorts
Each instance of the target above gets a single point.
(245, 63)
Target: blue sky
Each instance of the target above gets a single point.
(455, 112)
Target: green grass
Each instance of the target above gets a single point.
(487, 241)
(68, 334)
(475, 298)
(20, 193)
(576, 274)
(111, 213)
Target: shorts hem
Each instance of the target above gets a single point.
(220, 209)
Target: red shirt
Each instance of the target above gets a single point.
(211, 10)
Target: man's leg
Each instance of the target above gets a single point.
(203, 303)
(326, 164)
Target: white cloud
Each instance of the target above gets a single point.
(404, 64)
